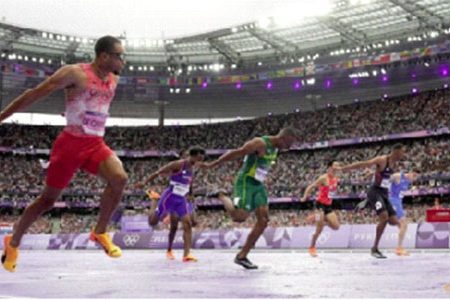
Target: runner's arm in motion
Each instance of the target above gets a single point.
(361, 164)
(61, 79)
(251, 146)
(165, 170)
(310, 187)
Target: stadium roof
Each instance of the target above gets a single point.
(357, 24)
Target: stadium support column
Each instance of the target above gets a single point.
(161, 104)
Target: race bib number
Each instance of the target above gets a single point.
(261, 174)
(94, 123)
(386, 183)
(180, 189)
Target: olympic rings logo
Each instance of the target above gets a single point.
(130, 240)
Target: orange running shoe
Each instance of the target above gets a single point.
(400, 251)
(189, 258)
(105, 241)
(10, 255)
(170, 255)
(312, 251)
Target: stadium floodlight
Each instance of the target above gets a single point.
(233, 66)
(374, 73)
(131, 68)
(152, 68)
(234, 30)
(238, 85)
(214, 67)
(171, 90)
(41, 60)
(204, 84)
(383, 71)
(259, 63)
(34, 59)
(269, 85)
(44, 35)
(25, 58)
(50, 35)
(19, 57)
(177, 91)
(311, 81)
(188, 90)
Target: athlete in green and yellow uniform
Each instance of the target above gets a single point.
(249, 190)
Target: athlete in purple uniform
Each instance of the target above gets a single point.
(173, 200)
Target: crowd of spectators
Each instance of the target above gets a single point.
(427, 110)
(23, 176)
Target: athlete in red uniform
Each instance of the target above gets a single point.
(327, 185)
(89, 90)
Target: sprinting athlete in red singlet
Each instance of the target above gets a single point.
(89, 90)
(327, 185)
